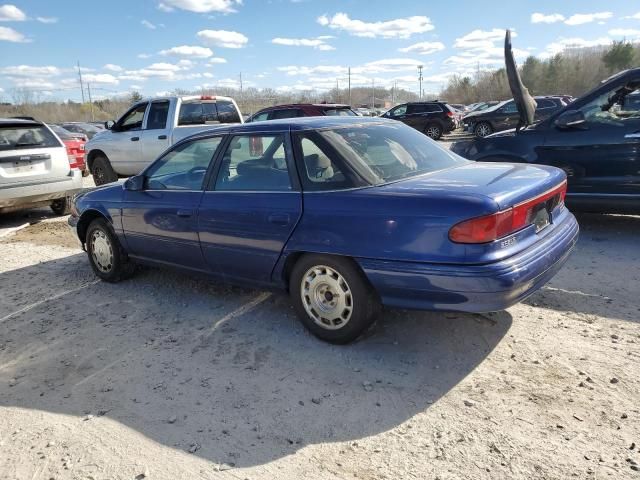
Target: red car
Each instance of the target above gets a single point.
(75, 146)
(302, 110)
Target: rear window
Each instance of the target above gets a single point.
(340, 112)
(197, 113)
(15, 137)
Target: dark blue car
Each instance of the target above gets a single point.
(345, 214)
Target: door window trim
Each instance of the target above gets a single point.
(148, 112)
(144, 118)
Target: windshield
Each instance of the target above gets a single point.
(382, 153)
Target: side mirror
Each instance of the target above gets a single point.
(109, 124)
(571, 119)
(135, 183)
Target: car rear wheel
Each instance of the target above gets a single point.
(61, 206)
(482, 129)
(433, 131)
(103, 171)
(108, 260)
(332, 298)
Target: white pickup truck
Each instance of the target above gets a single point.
(148, 128)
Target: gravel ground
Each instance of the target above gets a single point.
(166, 376)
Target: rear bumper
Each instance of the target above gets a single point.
(473, 288)
(29, 194)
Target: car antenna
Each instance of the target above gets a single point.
(521, 96)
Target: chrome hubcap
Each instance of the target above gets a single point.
(326, 297)
(483, 130)
(101, 251)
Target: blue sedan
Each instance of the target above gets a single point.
(347, 215)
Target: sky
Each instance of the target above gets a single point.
(155, 46)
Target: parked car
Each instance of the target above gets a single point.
(460, 107)
(35, 168)
(75, 146)
(505, 115)
(148, 128)
(431, 118)
(81, 127)
(302, 110)
(478, 107)
(345, 213)
(593, 139)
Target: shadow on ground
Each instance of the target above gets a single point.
(602, 276)
(231, 371)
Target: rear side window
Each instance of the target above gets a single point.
(197, 113)
(339, 112)
(15, 137)
(261, 117)
(285, 113)
(543, 103)
(424, 108)
(158, 114)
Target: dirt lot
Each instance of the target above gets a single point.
(168, 377)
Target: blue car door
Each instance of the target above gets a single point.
(160, 221)
(251, 207)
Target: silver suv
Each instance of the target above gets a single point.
(35, 168)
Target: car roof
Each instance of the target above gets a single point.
(14, 121)
(291, 124)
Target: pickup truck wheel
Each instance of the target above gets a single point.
(61, 206)
(433, 131)
(103, 171)
(482, 129)
(332, 298)
(107, 258)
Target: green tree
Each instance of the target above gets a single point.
(619, 56)
(135, 97)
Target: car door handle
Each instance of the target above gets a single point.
(135, 139)
(184, 213)
(279, 219)
(162, 137)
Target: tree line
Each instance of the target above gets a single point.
(572, 72)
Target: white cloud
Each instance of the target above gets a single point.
(213, 60)
(10, 35)
(423, 48)
(481, 48)
(569, 43)
(582, 18)
(479, 39)
(200, 6)
(397, 28)
(223, 38)
(100, 78)
(635, 16)
(542, 18)
(625, 32)
(135, 87)
(144, 55)
(47, 19)
(160, 70)
(151, 26)
(30, 71)
(11, 13)
(188, 51)
(113, 68)
(319, 43)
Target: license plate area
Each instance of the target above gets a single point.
(26, 166)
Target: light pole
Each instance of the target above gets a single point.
(420, 80)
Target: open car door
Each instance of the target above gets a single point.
(524, 101)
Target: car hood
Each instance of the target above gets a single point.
(507, 184)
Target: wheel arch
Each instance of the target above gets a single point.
(92, 155)
(85, 220)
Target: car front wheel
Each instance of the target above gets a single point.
(332, 298)
(103, 171)
(482, 129)
(108, 260)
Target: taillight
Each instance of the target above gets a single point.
(497, 225)
(449, 114)
(71, 156)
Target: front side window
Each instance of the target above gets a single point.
(254, 163)
(184, 167)
(401, 110)
(158, 113)
(376, 153)
(613, 107)
(261, 117)
(132, 120)
(509, 108)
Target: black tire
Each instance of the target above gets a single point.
(61, 206)
(102, 240)
(359, 298)
(103, 171)
(433, 131)
(482, 129)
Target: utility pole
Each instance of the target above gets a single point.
(81, 86)
(420, 78)
(90, 101)
(337, 91)
(373, 94)
(349, 85)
